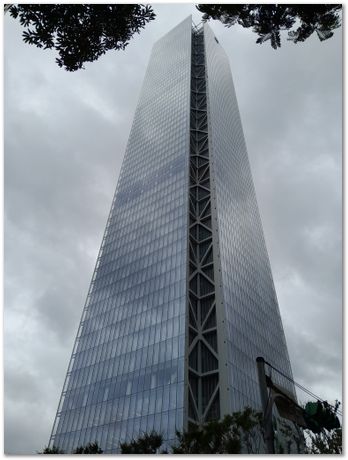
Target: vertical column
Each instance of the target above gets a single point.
(203, 359)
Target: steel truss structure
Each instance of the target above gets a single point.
(203, 359)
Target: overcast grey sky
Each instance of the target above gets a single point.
(65, 137)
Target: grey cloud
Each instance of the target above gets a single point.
(319, 372)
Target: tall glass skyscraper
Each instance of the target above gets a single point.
(182, 299)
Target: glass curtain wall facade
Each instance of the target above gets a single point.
(182, 300)
(251, 315)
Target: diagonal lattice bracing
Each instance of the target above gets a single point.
(203, 359)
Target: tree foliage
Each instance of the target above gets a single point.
(288, 438)
(325, 442)
(51, 450)
(146, 444)
(90, 448)
(320, 415)
(81, 33)
(234, 434)
(268, 20)
(213, 438)
(324, 433)
(237, 433)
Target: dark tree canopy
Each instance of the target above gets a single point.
(325, 442)
(213, 438)
(146, 444)
(216, 437)
(226, 436)
(90, 448)
(81, 32)
(236, 433)
(268, 20)
(51, 450)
